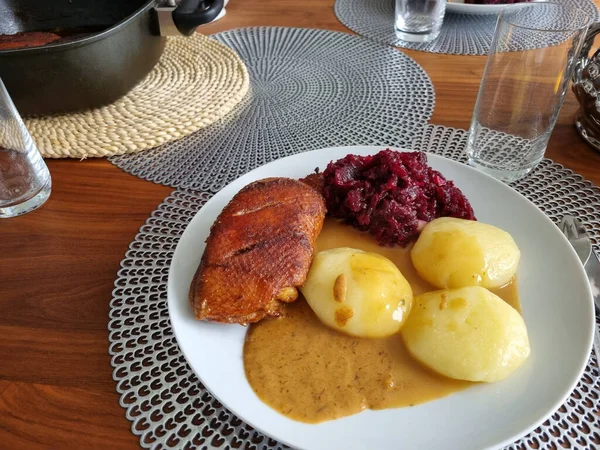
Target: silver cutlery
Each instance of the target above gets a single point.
(577, 235)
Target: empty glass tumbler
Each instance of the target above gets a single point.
(531, 60)
(24, 178)
(419, 20)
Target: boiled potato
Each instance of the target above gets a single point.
(359, 293)
(468, 334)
(454, 253)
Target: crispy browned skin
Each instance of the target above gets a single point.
(315, 181)
(259, 249)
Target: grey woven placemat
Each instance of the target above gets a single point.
(309, 89)
(169, 407)
(461, 34)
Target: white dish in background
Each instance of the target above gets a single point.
(222, 13)
(220, 16)
(460, 7)
(557, 308)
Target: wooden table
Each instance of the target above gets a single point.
(58, 264)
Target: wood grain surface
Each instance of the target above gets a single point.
(58, 264)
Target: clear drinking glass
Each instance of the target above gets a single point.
(24, 178)
(531, 61)
(419, 20)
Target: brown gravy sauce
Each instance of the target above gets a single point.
(311, 373)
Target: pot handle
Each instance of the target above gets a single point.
(192, 13)
(584, 55)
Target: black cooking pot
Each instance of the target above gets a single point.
(106, 48)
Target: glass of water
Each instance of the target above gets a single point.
(419, 20)
(24, 178)
(531, 60)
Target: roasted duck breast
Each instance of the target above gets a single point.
(259, 250)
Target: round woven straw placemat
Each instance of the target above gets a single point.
(196, 82)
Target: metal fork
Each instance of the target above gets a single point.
(577, 235)
(575, 232)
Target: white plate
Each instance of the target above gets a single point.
(458, 7)
(557, 307)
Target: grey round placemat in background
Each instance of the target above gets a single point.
(309, 89)
(169, 407)
(461, 34)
